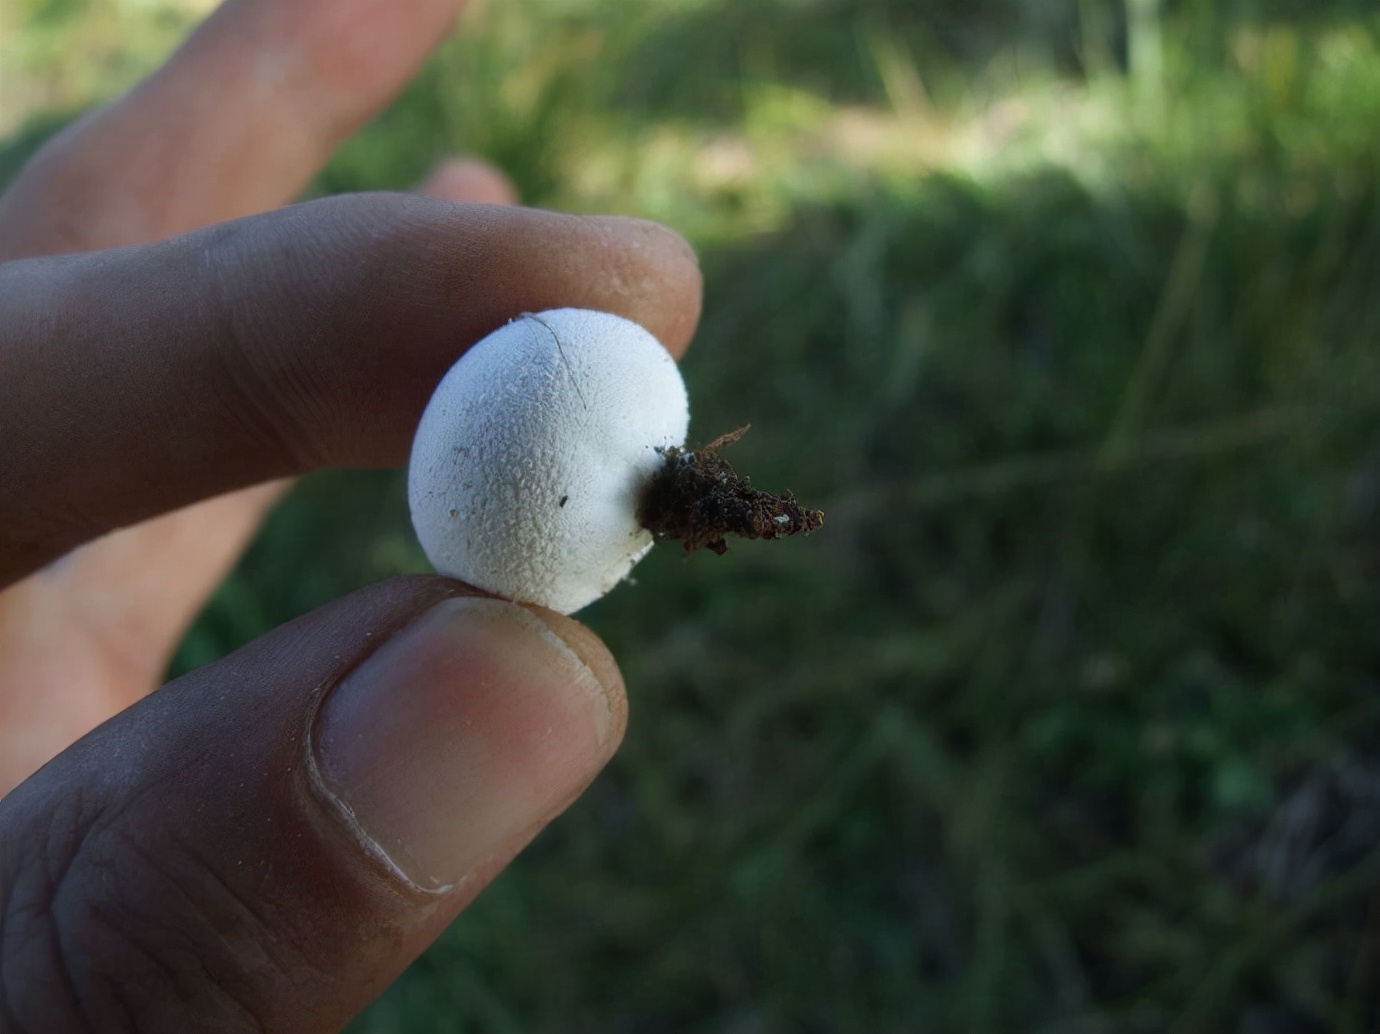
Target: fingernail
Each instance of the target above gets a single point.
(467, 730)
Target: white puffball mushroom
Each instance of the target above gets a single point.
(530, 457)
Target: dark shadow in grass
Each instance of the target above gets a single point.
(841, 50)
(833, 48)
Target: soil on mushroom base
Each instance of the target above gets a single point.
(698, 497)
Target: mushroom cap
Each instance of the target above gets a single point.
(531, 455)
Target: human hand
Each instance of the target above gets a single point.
(266, 842)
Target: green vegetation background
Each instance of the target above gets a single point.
(1068, 314)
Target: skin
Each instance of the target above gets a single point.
(260, 844)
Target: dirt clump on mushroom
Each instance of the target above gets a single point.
(698, 497)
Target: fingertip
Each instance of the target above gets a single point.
(652, 276)
(472, 180)
(464, 733)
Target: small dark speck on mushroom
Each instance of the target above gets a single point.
(565, 499)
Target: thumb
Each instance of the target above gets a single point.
(266, 843)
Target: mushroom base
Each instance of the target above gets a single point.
(698, 497)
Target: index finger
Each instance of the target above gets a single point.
(139, 380)
(236, 122)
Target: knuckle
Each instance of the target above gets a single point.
(39, 990)
(100, 933)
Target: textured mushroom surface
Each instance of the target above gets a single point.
(531, 455)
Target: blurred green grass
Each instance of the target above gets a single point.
(1067, 313)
